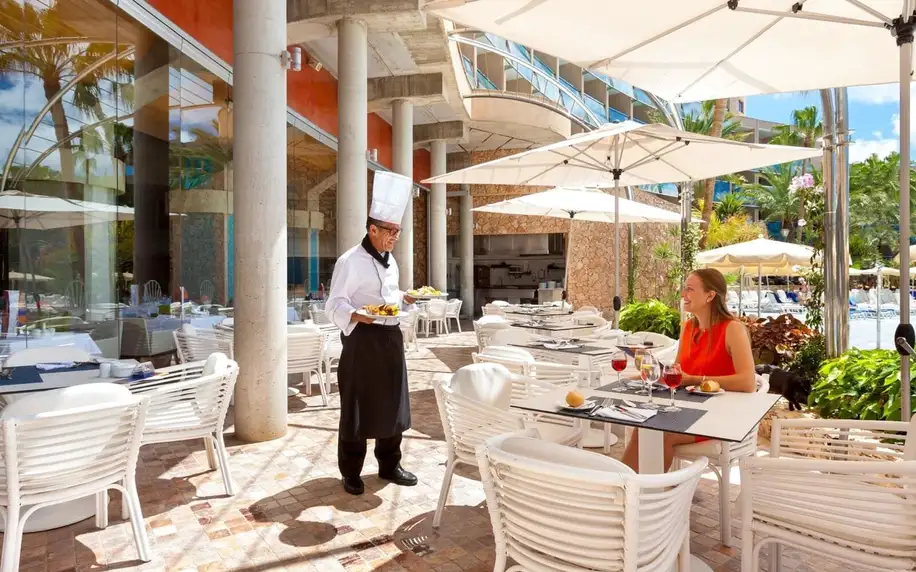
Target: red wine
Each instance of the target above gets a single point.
(619, 364)
(672, 379)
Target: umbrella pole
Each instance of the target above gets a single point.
(617, 304)
(759, 269)
(904, 331)
(878, 293)
(566, 271)
(741, 291)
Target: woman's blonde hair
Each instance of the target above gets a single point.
(714, 282)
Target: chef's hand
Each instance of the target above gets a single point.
(355, 317)
(409, 299)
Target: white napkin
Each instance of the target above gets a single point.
(612, 413)
(54, 365)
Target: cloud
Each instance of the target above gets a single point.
(864, 148)
(875, 94)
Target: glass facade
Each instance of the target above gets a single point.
(116, 196)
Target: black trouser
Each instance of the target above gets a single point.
(351, 454)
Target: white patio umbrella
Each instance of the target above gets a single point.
(627, 153)
(708, 49)
(581, 204)
(770, 257)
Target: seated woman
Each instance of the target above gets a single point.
(714, 345)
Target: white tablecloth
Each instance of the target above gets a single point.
(16, 343)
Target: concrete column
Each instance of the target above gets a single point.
(466, 251)
(402, 143)
(352, 143)
(259, 179)
(437, 220)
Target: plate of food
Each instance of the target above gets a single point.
(575, 401)
(379, 311)
(424, 292)
(708, 387)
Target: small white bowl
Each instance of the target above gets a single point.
(122, 370)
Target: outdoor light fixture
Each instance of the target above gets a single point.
(292, 60)
(372, 154)
(314, 64)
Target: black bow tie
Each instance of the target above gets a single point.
(382, 258)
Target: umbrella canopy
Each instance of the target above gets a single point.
(36, 277)
(27, 211)
(627, 153)
(768, 253)
(702, 49)
(581, 204)
(887, 271)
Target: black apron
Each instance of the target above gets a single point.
(372, 379)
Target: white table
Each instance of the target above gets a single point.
(556, 330)
(16, 343)
(729, 417)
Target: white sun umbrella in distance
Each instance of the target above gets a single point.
(627, 153)
(581, 204)
(760, 253)
(708, 49)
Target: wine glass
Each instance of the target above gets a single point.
(672, 378)
(650, 371)
(639, 355)
(619, 363)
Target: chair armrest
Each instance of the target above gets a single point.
(840, 439)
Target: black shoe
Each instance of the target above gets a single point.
(353, 485)
(400, 477)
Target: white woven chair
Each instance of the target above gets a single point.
(197, 345)
(333, 347)
(507, 336)
(409, 324)
(842, 489)
(58, 354)
(306, 356)
(435, 313)
(453, 312)
(588, 310)
(722, 456)
(473, 406)
(658, 341)
(515, 360)
(486, 326)
(64, 445)
(556, 508)
(152, 291)
(590, 320)
(187, 405)
(493, 309)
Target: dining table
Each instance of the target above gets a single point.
(554, 330)
(726, 416)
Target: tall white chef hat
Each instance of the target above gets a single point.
(390, 193)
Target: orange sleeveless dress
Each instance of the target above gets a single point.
(703, 352)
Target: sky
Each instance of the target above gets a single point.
(873, 116)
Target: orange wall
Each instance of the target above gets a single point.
(311, 93)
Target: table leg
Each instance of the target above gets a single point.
(651, 451)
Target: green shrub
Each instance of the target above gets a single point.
(860, 384)
(809, 358)
(652, 316)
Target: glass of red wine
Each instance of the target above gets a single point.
(619, 363)
(672, 378)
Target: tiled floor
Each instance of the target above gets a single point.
(290, 512)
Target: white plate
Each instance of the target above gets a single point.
(376, 316)
(585, 406)
(695, 389)
(561, 346)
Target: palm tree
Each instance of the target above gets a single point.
(777, 201)
(712, 119)
(731, 205)
(806, 128)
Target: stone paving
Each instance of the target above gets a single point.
(290, 512)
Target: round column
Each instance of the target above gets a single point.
(402, 143)
(259, 92)
(352, 142)
(437, 220)
(466, 247)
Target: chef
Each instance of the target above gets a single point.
(372, 374)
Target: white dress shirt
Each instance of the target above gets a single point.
(360, 280)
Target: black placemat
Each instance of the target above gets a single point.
(680, 395)
(672, 422)
(31, 374)
(578, 350)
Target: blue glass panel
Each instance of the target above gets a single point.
(596, 107)
(616, 116)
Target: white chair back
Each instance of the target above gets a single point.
(659, 341)
(454, 308)
(152, 291)
(206, 292)
(305, 352)
(493, 310)
(623, 520)
(436, 309)
(58, 354)
(589, 320)
(193, 408)
(563, 375)
(588, 310)
(485, 331)
(199, 345)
